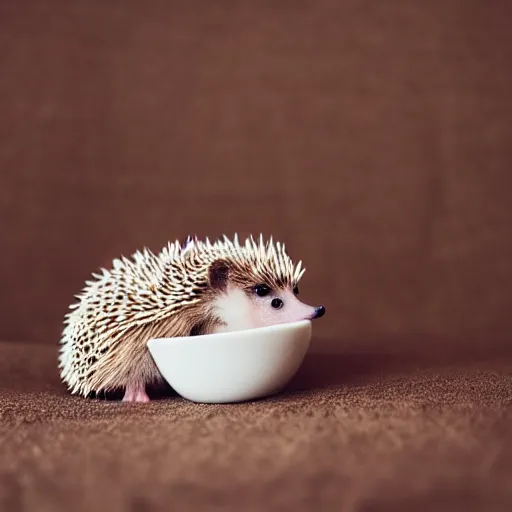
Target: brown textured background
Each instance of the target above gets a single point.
(374, 138)
(392, 438)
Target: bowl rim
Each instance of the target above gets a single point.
(285, 326)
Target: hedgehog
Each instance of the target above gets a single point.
(193, 287)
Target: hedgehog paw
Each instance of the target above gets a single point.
(135, 394)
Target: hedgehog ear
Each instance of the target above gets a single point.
(218, 274)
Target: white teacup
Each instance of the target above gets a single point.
(232, 366)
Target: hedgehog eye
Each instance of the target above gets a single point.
(277, 303)
(261, 290)
(296, 290)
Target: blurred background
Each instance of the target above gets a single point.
(373, 138)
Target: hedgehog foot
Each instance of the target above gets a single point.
(135, 393)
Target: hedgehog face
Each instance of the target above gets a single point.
(275, 306)
(260, 306)
(250, 294)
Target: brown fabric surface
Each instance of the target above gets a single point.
(399, 437)
(373, 137)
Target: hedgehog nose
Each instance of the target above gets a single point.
(319, 312)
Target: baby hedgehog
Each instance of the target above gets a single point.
(193, 288)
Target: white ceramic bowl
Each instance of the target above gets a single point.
(233, 366)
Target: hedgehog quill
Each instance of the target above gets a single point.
(194, 288)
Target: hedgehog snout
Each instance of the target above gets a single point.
(319, 312)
